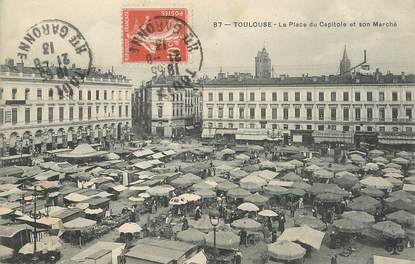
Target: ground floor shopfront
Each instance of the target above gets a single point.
(40, 139)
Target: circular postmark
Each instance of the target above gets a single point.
(171, 47)
(56, 50)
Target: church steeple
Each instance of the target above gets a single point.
(345, 63)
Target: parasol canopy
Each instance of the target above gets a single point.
(226, 186)
(387, 170)
(380, 160)
(311, 221)
(404, 154)
(204, 185)
(257, 199)
(203, 224)
(318, 188)
(372, 192)
(330, 197)
(266, 164)
(359, 216)
(291, 176)
(224, 240)
(347, 225)
(371, 167)
(190, 197)
(130, 228)
(247, 224)
(301, 185)
(205, 193)
(136, 199)
(49, 243)
(357, 158)
(191, 235)
(177, 201)
(286, 250)
(376, 182)
(389, 229)
(268, 213)
(79, 223)
(364, 203)
(238, 193)
(323, 174)
(81, 151)
(305, 235)
(399, 203)
(6, 253)
(242, 157)
(266, 175)
(238, 173)
(400, 161)
(159, 191)
(275, 190)
(93, 211)
(5, 211)
(393, 175)
(346, 181)
(248, 207)
(393, 166)
(376, 153)
(295, 192)
(402, 217)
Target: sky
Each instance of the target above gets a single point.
(293, 51)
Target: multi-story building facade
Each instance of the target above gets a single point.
(35, 115)
(323, 105)
(165, 110)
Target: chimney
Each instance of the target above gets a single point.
(403, 77)
(19, 66)
(9, 62)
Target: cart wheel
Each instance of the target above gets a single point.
(389, 248)
(400, 247)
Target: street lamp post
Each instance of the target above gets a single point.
(35, 215)
(214, 220)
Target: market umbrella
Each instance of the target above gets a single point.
(389, 229)
(387, 170)
(250, 186)
(159, 191)
(144, 195)
(248, 207)
(357, 158)
(395, 182)
(376, 182)
(285, 165)
(275, 190)
(96, 211)
(79, 223)
(253, 179)
(254, 148)
(295, 192)
(286, 250)
(296, 163)
(393, 175)
(257, 199)
(402, 217)
(372, 192)
(364, 203)
(242, 157)
(202, 185)
(238, 174)
(380, 160)
(404, 154)
(291, 176)
(371, 167)
(226, 186)
(130, 228)
(400, 161)
(403, 195)
(301, 185)
(190, 197)
(318, 188)
(203, 224)
(136, 199)
(215, 179)
(224, 240)
(177, 201)
(359, 216)
(250, 168)
(247, 224)
(346, 181)
(347, 225)
(266, 175)
(311, 221)
(398, 203)
(323, 174)
(266, 164)
(376, 153)
(238, 193)
(393, 166)
(6, 253)
(268, 213)
(48, 243)
(304, 235)
(329, 197)
(191, 235)
(410, 180)
(5, 211)
(204, 193)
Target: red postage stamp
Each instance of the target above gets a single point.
(154, 34)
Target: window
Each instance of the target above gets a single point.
(309, 113)
(274, 126)
(320, 127)
(81, 113)
(262, 96)
(381, 114)
(263, 113)
(220, 95)
(309, 96)
(252, 97)
(346, 128)
(97, 110)
(381, 96)
(321, 114)
(71, 113)
(285, 95)
(285, 126)
(89, 112)
(14, 116)
(97, 95)
(251, 125)
(346, 96)
(369, 128)
(27, 115)
(119, 95)
(357, 114)
(230, 125)
(14, 93)
(39, 94)
(263, 125)
(39, 115)
(297, 127)
(220, 112)
(230, 96)
(394, 96)
(220, 125)
(285, 114)
(297, 96)
(241, 97)
(50, 114)
(241, 125)
(70, 94)
(105, 94)
(274, 113)
(395, 129)
(394, 114)
(297, 113)
(241, 113)
(105, 110)
(50, 94)
(27, 94)
(408, 112)
(357, 128)
(1, 93)
(120, 111)
(230, 112)
(381, 129)
(274, 96)
(126, 95)
(112, 95)
(309, 127)
(333, 114)
(345, 114)
(126, 110)
(160, 111)
(80, 95)
(369, 114)
(408, 129)
(61, 113)
(333, 96)
(321, 96)
(357, 96)
(89, 95)
(112, 110)
(252, 113)
(210, 112)
(408, 96)
(210, 125)
(369, 96)
(1, 116)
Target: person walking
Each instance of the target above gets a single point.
(333, 259)
(198, 213)
(274, 236)
(281, 223)
(242, 237)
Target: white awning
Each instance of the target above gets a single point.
(208, 133)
